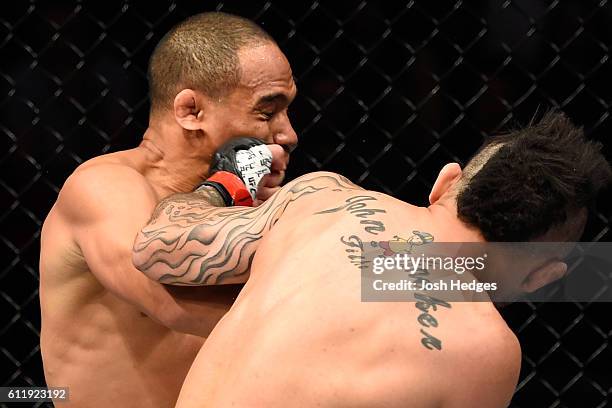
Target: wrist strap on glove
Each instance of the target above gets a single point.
(237, 168)
(230, 187)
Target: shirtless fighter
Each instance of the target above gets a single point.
(114, 337)
(299, 336)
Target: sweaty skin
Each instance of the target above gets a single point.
(298, 335)
(110, 334)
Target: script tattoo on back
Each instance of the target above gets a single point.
(360, 207)
(354, 249)
(425, 303)
(190, 242)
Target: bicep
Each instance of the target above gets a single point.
(104, 218)
(106, 248)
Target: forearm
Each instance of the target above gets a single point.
(163, 249)
(190, 242)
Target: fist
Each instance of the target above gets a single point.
(270, 183)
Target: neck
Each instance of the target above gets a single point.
(444, 214)
(176, 160)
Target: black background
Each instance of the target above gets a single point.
(389, 91)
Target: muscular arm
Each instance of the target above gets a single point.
(191, 242)
(104, 207)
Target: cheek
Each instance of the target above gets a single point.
(235, 122)
(254, 128)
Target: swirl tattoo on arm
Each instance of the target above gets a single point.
(188, 241)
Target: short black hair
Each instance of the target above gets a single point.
(523, 183)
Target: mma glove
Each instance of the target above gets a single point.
(237, 168)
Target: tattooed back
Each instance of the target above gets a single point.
(312, 342)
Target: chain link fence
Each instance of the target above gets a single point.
(389, 91)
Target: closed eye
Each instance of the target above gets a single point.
(266, 115)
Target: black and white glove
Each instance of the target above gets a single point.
(237, 168)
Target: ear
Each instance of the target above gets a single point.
(188, 110)
(448, 176)
(543, 275)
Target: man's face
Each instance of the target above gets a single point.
(257, 107)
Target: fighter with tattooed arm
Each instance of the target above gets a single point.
(299, 334)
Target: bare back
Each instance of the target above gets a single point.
(299, 335)
(104, 331)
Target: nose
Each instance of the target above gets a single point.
(286, 136)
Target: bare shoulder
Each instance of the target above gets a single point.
(492, 346)
(96, 203)
(103, 186)
(323, 179)
(485, 364)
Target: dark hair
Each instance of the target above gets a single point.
(200, 53)
(521, 184)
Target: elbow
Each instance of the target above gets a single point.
(141, 260)
(139, 256)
